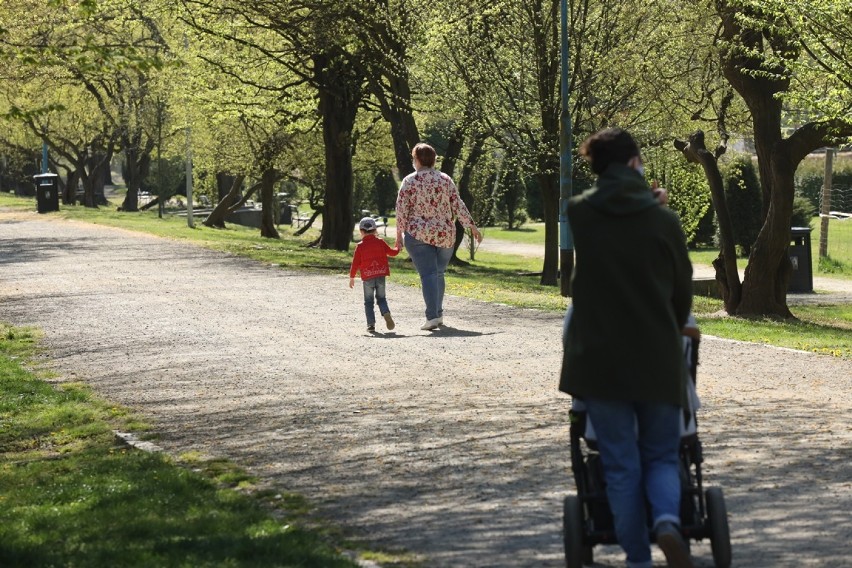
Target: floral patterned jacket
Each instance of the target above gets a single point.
(427, 208)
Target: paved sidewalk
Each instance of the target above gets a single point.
(453, 444)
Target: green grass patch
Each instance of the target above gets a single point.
(826, 330)
(838, 262)
(71, 496)
(529, 233)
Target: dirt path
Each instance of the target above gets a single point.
(451, 444)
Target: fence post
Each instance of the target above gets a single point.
(825, 203)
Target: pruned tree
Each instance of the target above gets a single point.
(781, 57)
(695, 150)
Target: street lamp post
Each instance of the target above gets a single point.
(566, 241)
(189, 206)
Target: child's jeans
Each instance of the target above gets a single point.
(374, 287)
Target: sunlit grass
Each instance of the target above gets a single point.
(528, 233)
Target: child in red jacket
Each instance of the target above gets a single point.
(371, 258)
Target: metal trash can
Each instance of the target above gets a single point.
(802, 277)
(47, 192)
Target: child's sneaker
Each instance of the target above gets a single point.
(371, 327)
(389, 321)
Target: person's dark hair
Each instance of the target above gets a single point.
(425, 154)
(610, 145)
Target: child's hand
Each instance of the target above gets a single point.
(351, 282)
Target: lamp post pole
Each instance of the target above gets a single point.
(44, 157)
(566, 241)
(189, 206)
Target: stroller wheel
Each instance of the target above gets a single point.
(717, 519)
(573, 530)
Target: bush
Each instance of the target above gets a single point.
(744, 200)
(803, 212)
(689, 193)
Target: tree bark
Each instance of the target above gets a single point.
(549, 183)
(725, 264)
(267, 196)
(138, 164)
(338, 104)
(545, 42)
(217, 216)
(69, 196)
(463, 186)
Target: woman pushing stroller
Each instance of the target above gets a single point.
(632, 276)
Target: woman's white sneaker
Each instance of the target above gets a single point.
(431, 324)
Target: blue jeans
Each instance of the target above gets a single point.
(431, 264)
(638, 443)
(374, 287)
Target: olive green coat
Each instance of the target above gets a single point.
(632, 293)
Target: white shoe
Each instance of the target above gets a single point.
(440, 320)
(431, 324)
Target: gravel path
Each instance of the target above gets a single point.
(452, 444)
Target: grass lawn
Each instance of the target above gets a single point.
(506, 279)
(528, 233)
(71, 496)
(820, 329)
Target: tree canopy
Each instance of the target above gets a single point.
(314, 94)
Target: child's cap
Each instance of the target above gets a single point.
(367, 224)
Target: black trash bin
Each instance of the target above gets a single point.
(47, 192)
(285, 214)
(802, 277)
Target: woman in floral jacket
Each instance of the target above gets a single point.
(427, 208)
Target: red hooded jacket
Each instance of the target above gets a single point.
(371, 258)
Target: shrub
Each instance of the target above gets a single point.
(689, 193)
(803, 211)
(744, 200)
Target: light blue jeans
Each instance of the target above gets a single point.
(374, 288)
(638, 443)
(431, 264)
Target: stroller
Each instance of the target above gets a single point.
(587, 519)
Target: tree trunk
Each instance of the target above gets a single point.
(93, 180)
(548, 181)
(389, 83)
(545, 46)
(267, 197)
(69, 196)
(338, 105)
(727, 274)
(225, 186)
(463, 186)
(138, 164)
(453, 151)
(217, 216)
(768, 270)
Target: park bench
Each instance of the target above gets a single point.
(297, 219)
